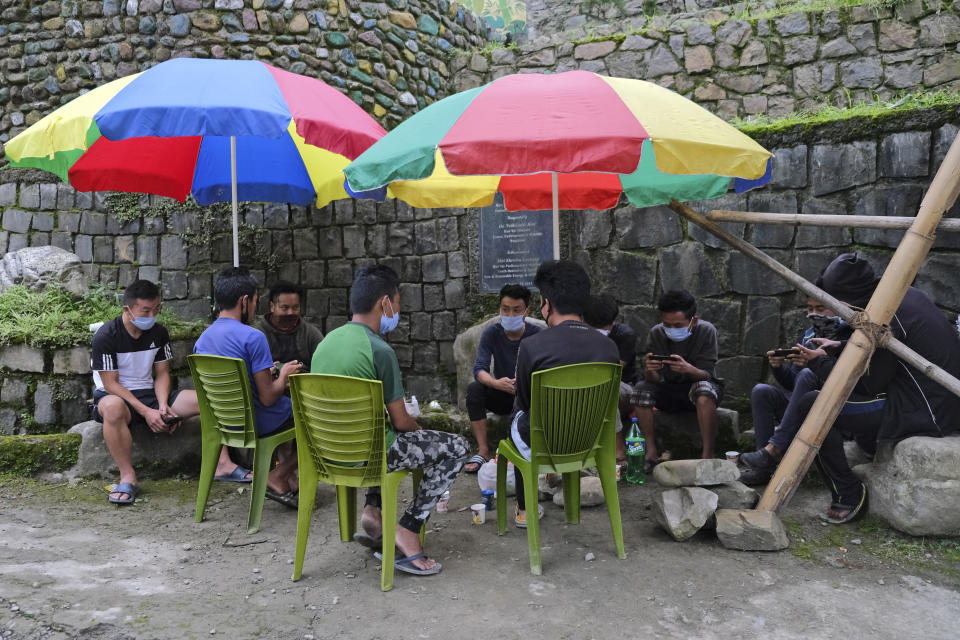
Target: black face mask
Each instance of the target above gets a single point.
(829, 327)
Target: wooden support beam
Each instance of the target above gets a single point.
(812, 220)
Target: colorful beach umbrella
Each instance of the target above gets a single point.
(221, 130)
(574, 140)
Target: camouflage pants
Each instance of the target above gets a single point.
(441, 455)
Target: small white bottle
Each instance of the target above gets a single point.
(443, 503)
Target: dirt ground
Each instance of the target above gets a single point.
(73, 566)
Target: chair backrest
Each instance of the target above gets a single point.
(223, 392)
(571, 408)
(341, 421)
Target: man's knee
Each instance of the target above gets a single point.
(644, 395)
(761, 393)
(113, 410)
(475, 401)
(705, 402)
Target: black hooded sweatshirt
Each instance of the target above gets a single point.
(916, 405)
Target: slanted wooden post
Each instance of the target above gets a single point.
(901, 271)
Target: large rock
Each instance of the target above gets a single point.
(696, 473)
(591, 493)
(465, 354)
(682, 512)
(160, 451)
(38, 267)
(679, 433)
(735, 495)
(916, 487)
(751, 530)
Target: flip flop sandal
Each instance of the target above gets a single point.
(405, 564)
(124, 487)
(853, 511)
(368, 541)
(287, 499)
(478, 460)
(239, 474)
(522, 522)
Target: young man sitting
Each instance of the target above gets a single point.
(131, 370)
(679, 371)
(357, 350)
(496, 392)
(564, 291)
(235, 293)
(290, 336)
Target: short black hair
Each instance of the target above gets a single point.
(601, 310)
(281, 287)
(515, 291)
(678, 300)
(565, 284)
(140, 290)
(231, 285)
(370, 284)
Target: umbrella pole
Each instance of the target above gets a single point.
(556, 215)
(233, 194)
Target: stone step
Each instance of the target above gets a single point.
(160, 453)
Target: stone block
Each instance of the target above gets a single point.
(679, 433)
(725, 316)
(172, 253)
(42, 222)
(761, 330)
(93, 223)
(814, 237)
(8, 194)
(591, 493)
(8, 422)
(454, 295)
(44, 409)
(648, 227)
(17, 221)
(733, 202)
(400, 239)
(690, 266)
(838, 167)
(434, 268)
(864, 73)
(790, 167)
(174, 284)
(735, 495)
(773, 235)
(426, 237)
(902, 200)
(800, 49)
(683, 512)
(695, 473)
(593, 50)
(158, 450)
(595, 228)
(740, 373)
(905, 155)
(30, 196)
(937, 278)
(751, 530)
(75, 360)
(20, 357)
(629, 277)
(14, 390)
(937, 30)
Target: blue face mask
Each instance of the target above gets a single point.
(678, 334)
(511, 323)
(144, 323)
(389, 323)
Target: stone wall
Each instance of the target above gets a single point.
(46, 391)
(546, 17)
(637, 254)
(388, 56)
(739, 68)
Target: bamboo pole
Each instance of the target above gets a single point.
(812, 220)
(899, 349)
(853, 360)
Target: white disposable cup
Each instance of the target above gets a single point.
(733, 455)
(479, 511)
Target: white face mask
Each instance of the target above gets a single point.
(678, 334)
(511, 323)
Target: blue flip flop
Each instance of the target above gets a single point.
(239, 474)
(405, 564)
(124, 487)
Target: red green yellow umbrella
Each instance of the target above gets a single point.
(574, 140)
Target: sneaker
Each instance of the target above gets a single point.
(521, 521)
(754, 477)
(759, 459)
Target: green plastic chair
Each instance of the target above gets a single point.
(226, 418)
(341, 431)
(573, 413)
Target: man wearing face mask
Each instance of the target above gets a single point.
(130, 360)
(290, 336)
(357, 349)
(686, 380)
(495, 392)
(235, 293)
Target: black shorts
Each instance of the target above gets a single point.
(146, 396)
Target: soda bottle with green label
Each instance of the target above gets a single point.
(636, 454)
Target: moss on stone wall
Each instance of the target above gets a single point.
(28, 455)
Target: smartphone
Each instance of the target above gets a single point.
(170, 420)
(782, 353)
(654, 356)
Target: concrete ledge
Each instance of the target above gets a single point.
(28, 455)
(679, 433)
(160, 454)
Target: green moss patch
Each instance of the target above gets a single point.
(29, 455)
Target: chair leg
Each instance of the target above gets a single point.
(608, 480)
(347, 511)
(389, 494)
(261, 467)
(502, 494)
(533, 520)
(571, 496)
(210, 452)
(304, 515)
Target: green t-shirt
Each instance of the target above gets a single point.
(355, 350)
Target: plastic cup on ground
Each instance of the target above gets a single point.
(733, 456)
(479, 512)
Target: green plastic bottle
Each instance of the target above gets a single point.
(636, 454)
